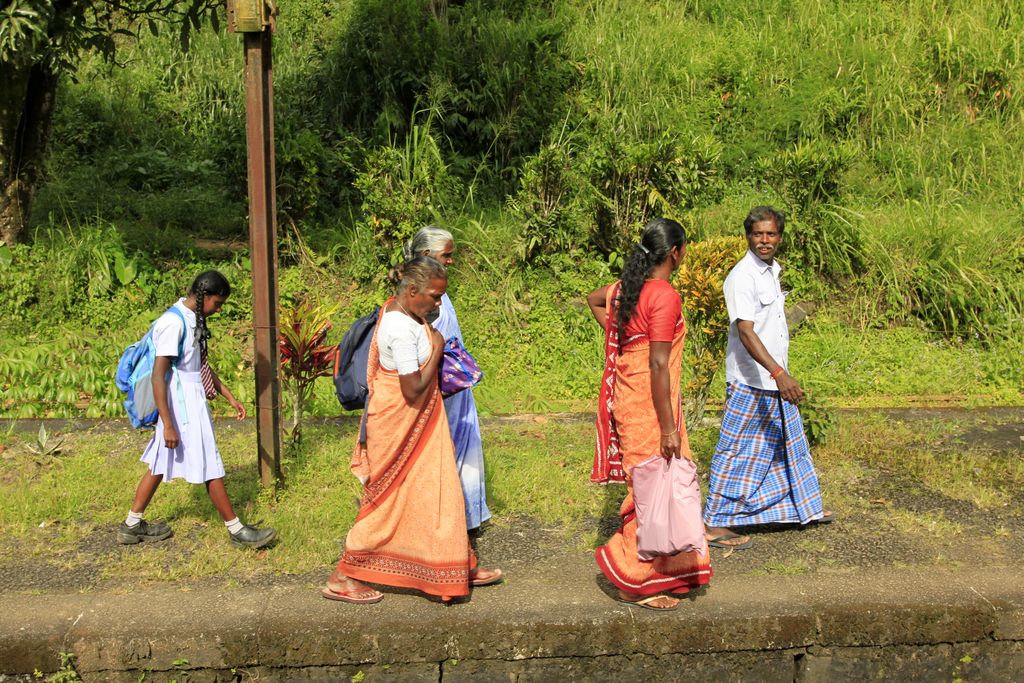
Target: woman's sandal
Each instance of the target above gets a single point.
(363, 595)
(485, 577)
(730, 541)
(646, 602)
(370, 596)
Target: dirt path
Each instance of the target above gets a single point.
(889, 514)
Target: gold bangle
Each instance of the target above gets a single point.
(674, 431)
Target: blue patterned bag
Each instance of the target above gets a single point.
(459, 370)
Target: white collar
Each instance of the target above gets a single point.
(761, 266)
(190, 315)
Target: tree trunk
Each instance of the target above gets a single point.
(26, 119)
(297, 401)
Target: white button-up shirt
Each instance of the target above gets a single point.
(753, 292)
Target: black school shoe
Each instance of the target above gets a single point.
(142, 532)
(251, 537)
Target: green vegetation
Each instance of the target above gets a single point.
(544, 134)
(66, 673)
(40, 41)
(701, 280)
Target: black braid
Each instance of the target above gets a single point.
(207, 282)
(202, 332)
(656, 241)
(634, 273)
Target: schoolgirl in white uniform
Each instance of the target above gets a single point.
(183, 445)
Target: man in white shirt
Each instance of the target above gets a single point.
(762, 471)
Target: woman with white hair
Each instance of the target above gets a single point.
(461, 408)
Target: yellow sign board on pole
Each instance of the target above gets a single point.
(249, 16)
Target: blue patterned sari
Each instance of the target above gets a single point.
(465, 428)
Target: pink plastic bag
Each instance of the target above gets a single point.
(667, 498)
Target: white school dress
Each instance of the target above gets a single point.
(196, 459)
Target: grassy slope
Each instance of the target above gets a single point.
(923, 93)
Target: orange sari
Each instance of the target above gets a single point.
(630, 423)
(411, 527)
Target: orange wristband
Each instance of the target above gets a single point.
(776, 372)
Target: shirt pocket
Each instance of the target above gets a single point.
(767, 298)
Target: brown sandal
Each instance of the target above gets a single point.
(489, 577)
(350, 596)
(647, 602)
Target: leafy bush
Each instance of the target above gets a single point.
(66, 269)
(638, 181)
(315, 172)
(20, 270)
(494, 72)
(506, 77)
(821, 239)
(552, 203)
(821, 248)
(958, 268)
(61, 377)
(143, 158)
(700, 280)
(598, 193)
(818, 417)
(961, 300)
(405, 188)
(372, 78)
(807, 174)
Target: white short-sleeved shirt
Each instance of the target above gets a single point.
(404, 344)
(167, 331)
(753, 292)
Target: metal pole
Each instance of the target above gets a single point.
(259, 130)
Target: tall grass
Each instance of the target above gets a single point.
(888, 131)
(955, 266)
(902, 81)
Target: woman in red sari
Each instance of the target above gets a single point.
(411, 528)
(639, 410)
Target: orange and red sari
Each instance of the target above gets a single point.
(628, 434)
(411, 527)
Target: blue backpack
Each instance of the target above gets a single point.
(350, 361)
(135, 375)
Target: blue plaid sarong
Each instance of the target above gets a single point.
(754, 480)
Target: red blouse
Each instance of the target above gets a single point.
(659, 309)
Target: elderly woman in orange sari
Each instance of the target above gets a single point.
(639, 409)
(410, 531)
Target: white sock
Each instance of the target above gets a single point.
(133, 518)
(234, 526)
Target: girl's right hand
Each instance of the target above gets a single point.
(170, 437)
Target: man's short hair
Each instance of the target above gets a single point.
(764, 213)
